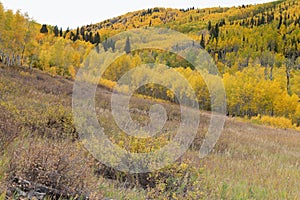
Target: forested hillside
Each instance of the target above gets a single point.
(41, 155)
(255, 47)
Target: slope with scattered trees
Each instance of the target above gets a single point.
(255, 48)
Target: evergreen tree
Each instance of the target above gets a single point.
(209, 26)
(263, 20)
(217, 30)
(112, 45)
(202, 42)
(72, 36)
(280, 22)
(86, 37)
(252, 22)
(44, 29)
(91, 38)
(77, 35)
(66, 32)
(60, 32)
(97, 38)
(127, 48)
(97, 48)
(82, 30)
(105, 44)
(56, 31)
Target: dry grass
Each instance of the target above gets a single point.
(248, 162)
(62, 167)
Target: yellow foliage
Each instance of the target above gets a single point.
(72, 71)
(107, 83)
(52, 71)
(297, 115)
(285, 105)
(279, 122)
(23, 73)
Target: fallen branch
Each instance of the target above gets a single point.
(29, 189)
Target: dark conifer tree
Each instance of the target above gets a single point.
(112, 45)
(56, 31)
(91, 38)
(216, 31)
(280, 22)
(97, 48)
(82, 30)
(105, 44)
(97, 38)
(202, 42)
(77, 35)
(209, 26)
(263, 20)
(127, 48)
(44, 29)
(252, 21)
(86, 37)
(60, 32)
(72, 36)
(66, 32)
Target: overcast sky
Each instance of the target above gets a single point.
(67, 13)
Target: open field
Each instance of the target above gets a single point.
(36, 128)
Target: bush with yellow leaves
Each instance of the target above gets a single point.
(279, 122)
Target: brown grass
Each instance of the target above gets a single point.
(248, 162)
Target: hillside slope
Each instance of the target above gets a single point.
(254, 47)
(243, 155)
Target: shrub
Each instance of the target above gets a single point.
(279, 122)
(297, 116)
(256, 119)
(107, 83)
(62, 167)
(178, 181)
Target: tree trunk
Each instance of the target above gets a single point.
(288, 78)
(22, 55)
(271, 72)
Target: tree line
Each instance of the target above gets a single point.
(256, 51)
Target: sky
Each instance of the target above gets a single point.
(72, 13)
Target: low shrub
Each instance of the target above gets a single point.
(63, 169)
(279, 122)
